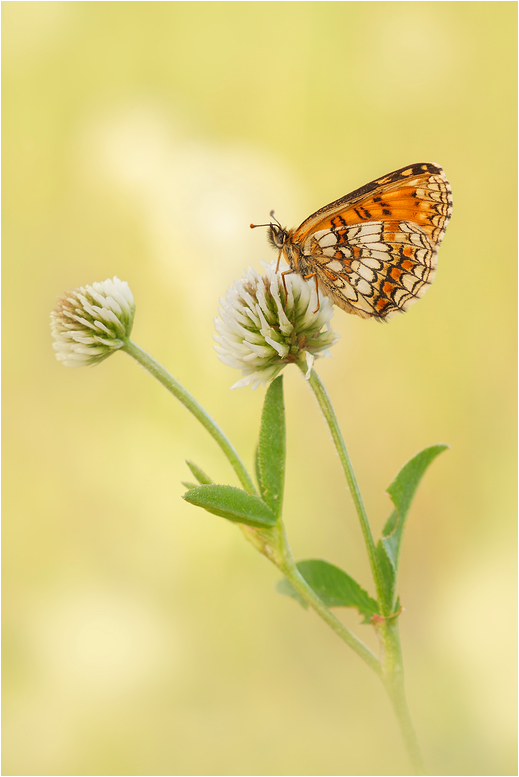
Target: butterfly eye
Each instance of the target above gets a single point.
(277, 236)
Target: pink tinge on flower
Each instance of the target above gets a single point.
(91, 322)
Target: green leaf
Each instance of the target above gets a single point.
(199, 474)
(232, 503)
(401, 491)
(257, 471)
(333, 586)
(388, 577)
(270, 456)
(188, 484)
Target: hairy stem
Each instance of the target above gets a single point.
(331, 419)
(285, 562)
(392, 674)
(178, 391)
(393, 679)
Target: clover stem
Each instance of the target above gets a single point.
(393, 679)
(287, 565)
(331, 419)
(392, 674)
(178, 391)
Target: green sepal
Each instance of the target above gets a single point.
(401, 491)
(232, 503)
(333, 586)
(271, 450)
(189, 485)
(199, 474)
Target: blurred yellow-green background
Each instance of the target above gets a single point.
(142, 635)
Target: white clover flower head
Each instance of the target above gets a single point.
(91, 322)
(259, 334)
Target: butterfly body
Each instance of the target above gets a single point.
(374, 251)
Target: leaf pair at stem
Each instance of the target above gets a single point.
(262, 514)
(321, 585)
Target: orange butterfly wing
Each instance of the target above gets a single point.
(374, 251)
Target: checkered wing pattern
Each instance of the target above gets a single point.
(374, 251)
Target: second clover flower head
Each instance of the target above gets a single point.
(91, 322)
(259, 334)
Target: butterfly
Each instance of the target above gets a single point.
(373, 251)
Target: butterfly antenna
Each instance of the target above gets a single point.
(253, 226)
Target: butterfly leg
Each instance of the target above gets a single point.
(307, 278)
(286, 272)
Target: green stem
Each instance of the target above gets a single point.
(392, 673)
(285, 562)
(393, 679)
(331, 419)
(178, 391)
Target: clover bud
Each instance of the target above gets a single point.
(91, 322)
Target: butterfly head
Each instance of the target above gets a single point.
(277, 236)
